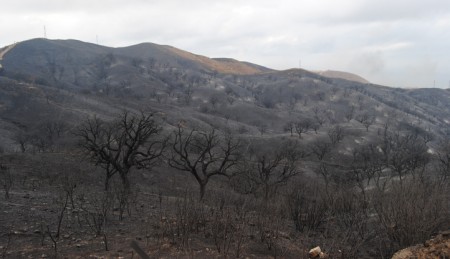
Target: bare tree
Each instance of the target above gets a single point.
(319, 115)
(365, 167)
(23, 139)
(130, 141)
(419, 132)
(320, 148)
(267, 170)
(366, 119)
(350, 113)
(307, 208)
(336, 134)
(289, 127)
(444, 161)
(96, 215)
(410, 212)
(54, 128)
(407, 153)
(303, 126)
(203, 154)
(188, 93)
(6, 179)
(315, 126)
(262, 127)
(214, 100)
(62, 201)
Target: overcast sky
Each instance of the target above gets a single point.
(402, 43)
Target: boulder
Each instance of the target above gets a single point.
(315, 252)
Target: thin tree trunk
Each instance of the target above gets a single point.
(107, 183)
(125, 182)
(202, 190)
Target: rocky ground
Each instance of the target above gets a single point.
(438, 247)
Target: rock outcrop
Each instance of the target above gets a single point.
(438, 247)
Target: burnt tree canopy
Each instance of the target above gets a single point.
(129, 141)
(203, 154)
(266, 167)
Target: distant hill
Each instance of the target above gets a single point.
(343, 75)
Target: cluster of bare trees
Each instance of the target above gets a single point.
(302, 126)
(136, 141)
(379, 196)
(388, 192)
(43, 137)
(262, 171)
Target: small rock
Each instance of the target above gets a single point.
(66, 236)
(44, 256)
(323, 255)
(37, 231)
(315, 252)
(26, 196)
(78, 245)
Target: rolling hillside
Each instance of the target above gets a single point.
(346, 154)
(240, 93)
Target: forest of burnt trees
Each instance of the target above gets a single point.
(279, 194)
(265, 165)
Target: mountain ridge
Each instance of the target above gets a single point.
(167, 52)
(343, 75)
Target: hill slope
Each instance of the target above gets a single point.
(243, 93)
(360, 150)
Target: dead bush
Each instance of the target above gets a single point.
(411, 211)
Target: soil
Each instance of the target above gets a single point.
(436, 248)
